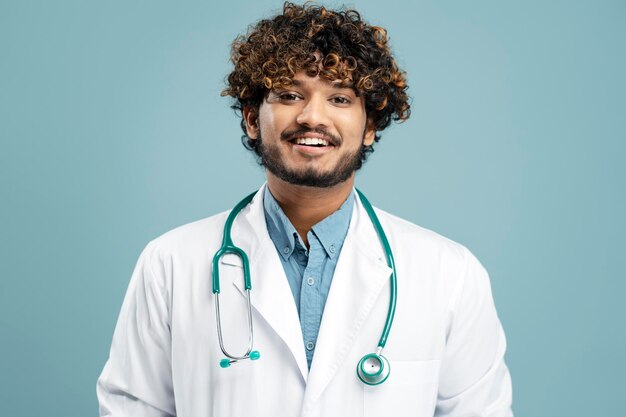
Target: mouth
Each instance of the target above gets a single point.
(311, 142)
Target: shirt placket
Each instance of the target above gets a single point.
(310, 312)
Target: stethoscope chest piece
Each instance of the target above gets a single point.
(373, 369)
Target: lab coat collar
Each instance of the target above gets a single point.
(360, 275)
(268, 279)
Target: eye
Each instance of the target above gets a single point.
(288, 97)
(341, 100)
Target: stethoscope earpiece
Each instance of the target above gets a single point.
(254, 355)
(373, 369)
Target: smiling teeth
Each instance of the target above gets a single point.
(311, 141)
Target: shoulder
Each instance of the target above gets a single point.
(410, 234)
(196, 237)
(437, 256)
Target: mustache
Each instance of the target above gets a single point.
(291, 134)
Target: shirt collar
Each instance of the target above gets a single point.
(331, 231)
(279, 227)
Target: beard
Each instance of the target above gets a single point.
(310, 177)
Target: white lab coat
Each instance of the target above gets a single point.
(446, 346)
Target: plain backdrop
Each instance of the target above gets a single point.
(113, 131)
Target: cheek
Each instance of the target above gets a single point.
(352, 126)
(270, 122)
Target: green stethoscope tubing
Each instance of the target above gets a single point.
(229, 247)
(390, 263)
(376, 361)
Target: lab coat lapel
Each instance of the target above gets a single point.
(360, 275)
(271, 296)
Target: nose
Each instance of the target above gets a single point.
(314, 114)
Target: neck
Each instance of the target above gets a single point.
(306, 206)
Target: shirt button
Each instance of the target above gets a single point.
(332, 248)
(286, 250)
(310, 345)
(310, 280)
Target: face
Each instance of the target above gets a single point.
(311, 133)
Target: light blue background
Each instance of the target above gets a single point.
(113, 131)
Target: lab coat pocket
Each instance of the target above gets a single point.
(410, 390)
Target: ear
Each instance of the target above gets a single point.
(370, 133)
(251, 117)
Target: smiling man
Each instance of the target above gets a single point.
(349, 311)
(320, 126)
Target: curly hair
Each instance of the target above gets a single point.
(274, 50)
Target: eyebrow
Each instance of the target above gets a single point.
(339, 85)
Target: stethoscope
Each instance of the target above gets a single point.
(373, 368)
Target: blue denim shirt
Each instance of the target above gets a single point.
(309, 273)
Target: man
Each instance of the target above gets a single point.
(315, 88)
